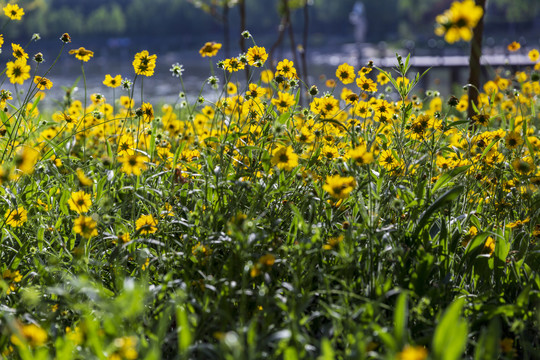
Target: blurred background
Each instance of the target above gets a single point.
(330, 32)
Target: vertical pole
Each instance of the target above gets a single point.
(474, 61)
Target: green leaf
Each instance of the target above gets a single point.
(184, 330)
(446, 177)
(327, 353)
(400, 319)
(444, 200)
(450, 335)
(488, 346)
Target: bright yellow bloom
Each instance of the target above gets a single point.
(266, 76)
(112, 82)
(534, 55)
(26, 159)
(18, 71)
(513, 140)
(283, 102)
(458, 22)
(82, 54)
(345, 73)
(31, 334)
(284, 158)
(42, 83)
(147, 112)
(16, 218)
(366, 84)
(360, 155)
(286, 69)
(413, 353)
(146, 224)
(18, 52)
(339, 187)
(80, 202)
(144, 63)
(514, 46)
(13, 11)
(83, 179)
(133, 163)
(210, 49)
(233, 65)
(85, 226)
(256, 56)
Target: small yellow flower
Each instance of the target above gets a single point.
(16, 218)
(339, 187)
(85, 226)
(42, 83)
(31, 334)
(413, 353)
(144, 63)
(146, 224)
(514, 46)
(534, 55)
(284, 158)
(18, 52)
(133, 163)
(112, 82)
(82, 54)
(210, 49)
(345, 73)
(13, 11)
(80, 202)
(256, 56)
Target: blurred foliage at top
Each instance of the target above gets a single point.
(387, 19)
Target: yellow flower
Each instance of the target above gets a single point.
(18, 71)
(360, 155)
(144, 63)
(382, 78)
(82, 54)
(339, 187)
(333, 242)
(13, 11)
(284, 158)
(514, 46)
(513, 140)
(413, 353)
(112, 82)
(231, 88)
(18, 52)
(283, 102)
(83, 179)
(85, 226)
(366, 84)
(42, 83)
(147, 112)
(31, 333)
(146, 224)
(286, 68)
(489, 246)
(345, 73)
(534, 55)
(210, 49)
(26, 159)
(80, 202)
(233, 65)
(457, 22)
(256, 56)
(133, 163)
(266, 76)
(16, 218)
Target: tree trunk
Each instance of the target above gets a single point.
(474, 62)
